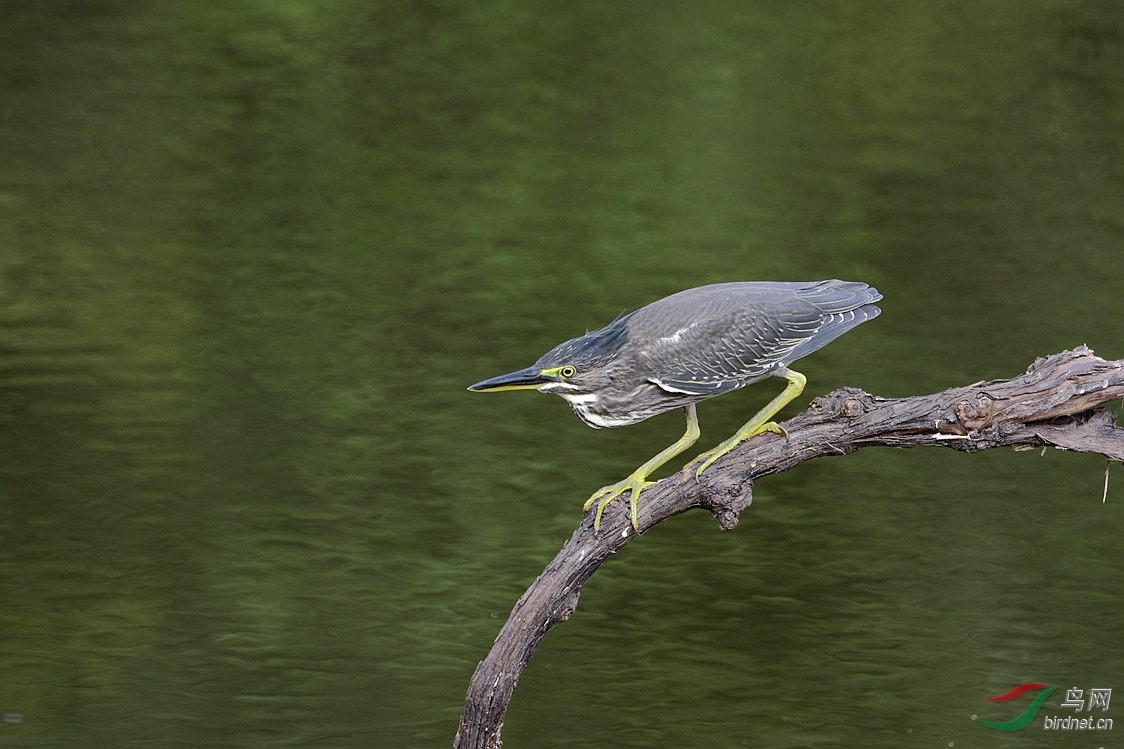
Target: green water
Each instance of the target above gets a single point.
(251, 254)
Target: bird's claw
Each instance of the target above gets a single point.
(711, 456)
(606, 494)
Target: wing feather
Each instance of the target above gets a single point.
(726, 336)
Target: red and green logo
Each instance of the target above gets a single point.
(1028, 715)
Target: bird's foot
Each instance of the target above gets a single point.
(705, 459)
(635, 484)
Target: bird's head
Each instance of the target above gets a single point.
(579, 367)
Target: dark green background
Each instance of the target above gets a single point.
(251, 253)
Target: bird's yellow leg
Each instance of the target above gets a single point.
(638, 479)
(759, 423)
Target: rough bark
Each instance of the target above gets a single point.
(1054, 404)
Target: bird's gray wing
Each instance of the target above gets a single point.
(738, 334)
(728, 352)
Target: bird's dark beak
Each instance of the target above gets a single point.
(530, 378)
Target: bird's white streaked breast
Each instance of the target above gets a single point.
(581, 401)
(583, 406)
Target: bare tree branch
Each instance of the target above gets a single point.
(1054, 404)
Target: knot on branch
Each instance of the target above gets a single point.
(727, 497)
(847, 403)
(977, 412)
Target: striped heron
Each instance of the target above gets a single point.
(688, 347)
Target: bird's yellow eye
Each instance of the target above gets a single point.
(562, 373)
